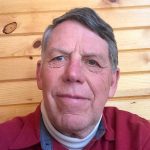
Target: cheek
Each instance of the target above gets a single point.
(100, 90)
(50, 82)
(100, 86)
(49, 78)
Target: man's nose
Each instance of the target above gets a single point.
(74, 72)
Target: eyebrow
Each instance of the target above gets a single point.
(53, 49)
(89, 54)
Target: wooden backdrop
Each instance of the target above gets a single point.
(22, 23)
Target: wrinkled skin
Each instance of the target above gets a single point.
(76, 78)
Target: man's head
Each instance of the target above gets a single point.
(78, 71)
(91, 20)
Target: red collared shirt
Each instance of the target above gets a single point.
(21, 133)
(124, 131)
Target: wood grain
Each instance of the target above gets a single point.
(54, 5)
(126, 40)
(29, 23)
(18, 68)
(137, 106)
(19, 92)
(11, 111)
(133, 39)
(19, 45)
(134, 61)
(133, 85)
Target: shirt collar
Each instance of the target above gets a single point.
(30, 132)
(105, 129)
(109, 134)
(46, 138)
(69, 142)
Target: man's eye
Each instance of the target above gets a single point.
(93, 63)
(58, 58)
(57, 61)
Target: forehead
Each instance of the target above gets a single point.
(71, 35)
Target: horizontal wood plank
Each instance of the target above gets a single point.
(140, 107)
(23, 92)
(134, 61)
(36, 22)
(126, 39)
(133, 85)
(53, 5)
(133, 39)
(10, 70)
(19, 92)
(9, 112)
(18, 68)
(19, 46)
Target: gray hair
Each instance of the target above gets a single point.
(89, 18)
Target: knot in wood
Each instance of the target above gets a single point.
(9, 28)
(37, 44)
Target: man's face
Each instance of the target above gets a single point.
(76, 78)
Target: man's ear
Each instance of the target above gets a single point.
(114, 82)
(38, 74)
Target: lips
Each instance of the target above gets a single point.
(69, 96)
(72, 104)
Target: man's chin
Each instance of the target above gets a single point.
(73, 124)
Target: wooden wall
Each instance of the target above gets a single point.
(22, 23)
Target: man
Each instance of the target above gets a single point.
(77, 74)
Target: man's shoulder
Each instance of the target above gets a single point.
(15, 125)
(127, 128)
(12, 129)
(115, 115)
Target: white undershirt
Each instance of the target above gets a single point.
(69, 142)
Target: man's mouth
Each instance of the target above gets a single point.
(70, 96)
(72, 103)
